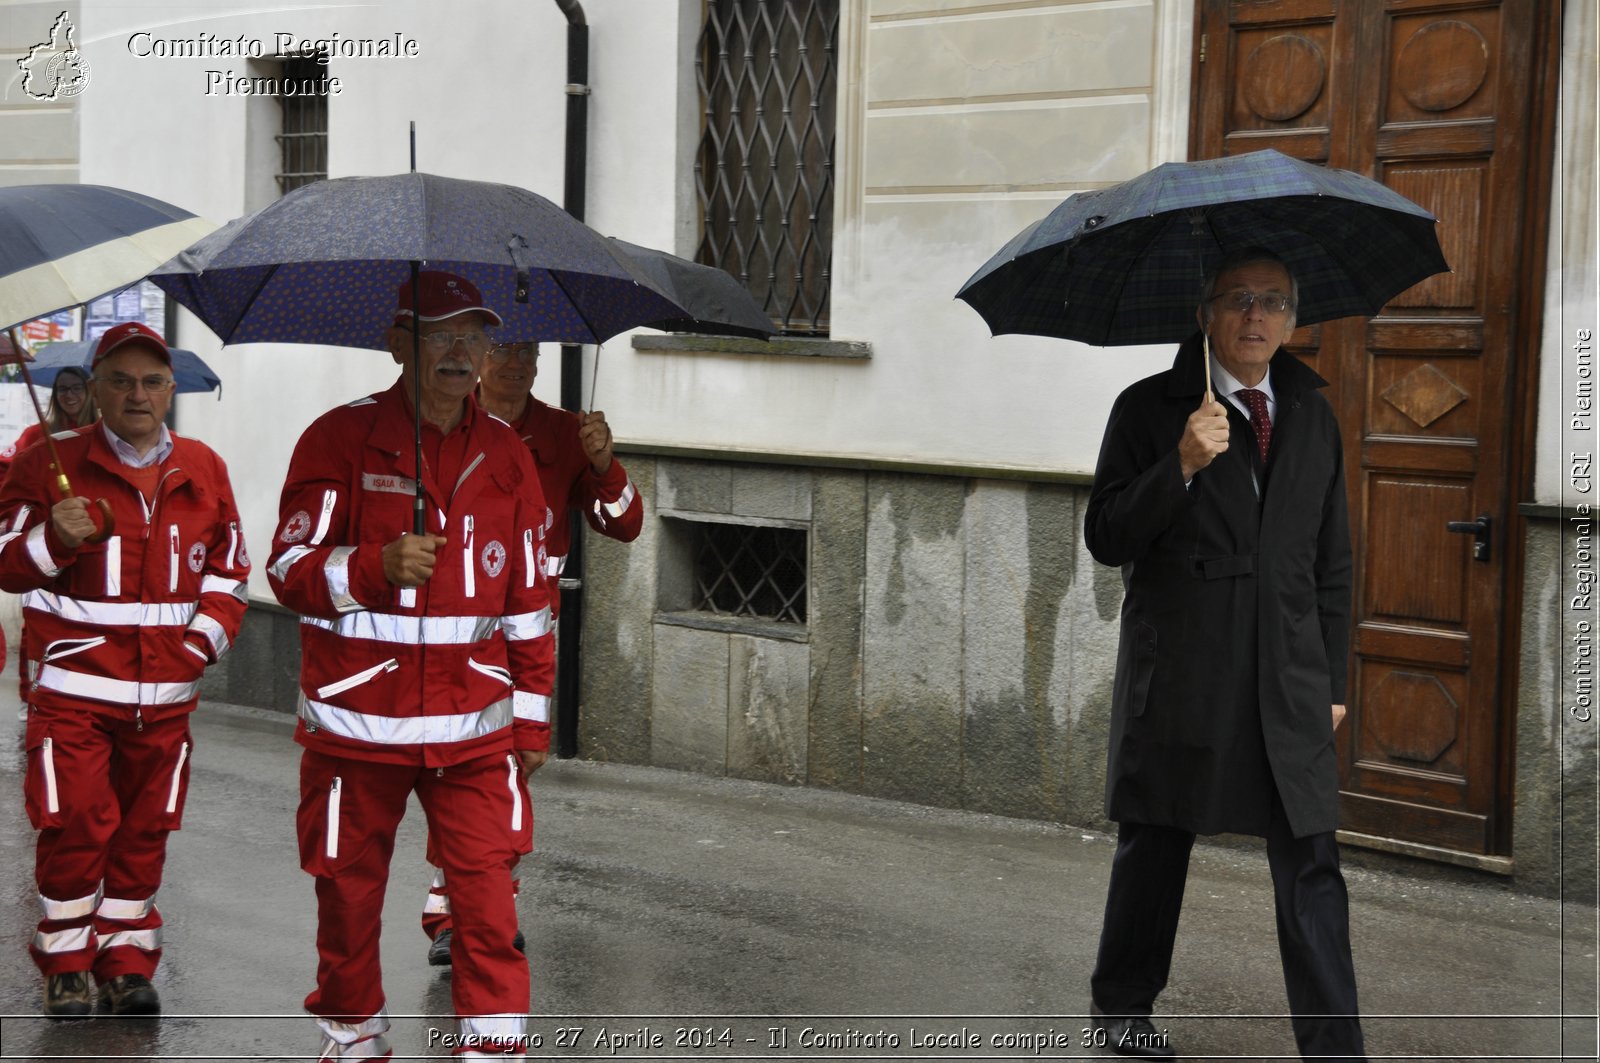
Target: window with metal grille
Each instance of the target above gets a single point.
(764, 171)
(750, 571)
(303, 143)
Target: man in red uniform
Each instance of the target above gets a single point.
(426, 664)
(118, 633)
(573, 453)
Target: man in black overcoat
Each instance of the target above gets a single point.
(1227, 516)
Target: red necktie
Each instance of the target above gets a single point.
(1260, 420)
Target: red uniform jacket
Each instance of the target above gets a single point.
(456, 669)
(132, 622)
(610, 503)
(30, 435)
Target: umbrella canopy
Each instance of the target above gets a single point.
(188, 369)
(322, 264)
(714, 302)
(1123, 265)
(62, 245)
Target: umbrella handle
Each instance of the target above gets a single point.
(108, 522)
(108, 519)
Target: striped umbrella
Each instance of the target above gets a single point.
(62, 245)
(1123, 265)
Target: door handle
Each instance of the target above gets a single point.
(1481, 532)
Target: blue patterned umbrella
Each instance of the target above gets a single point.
(323, 264)
(1123, 265)
(188, 369)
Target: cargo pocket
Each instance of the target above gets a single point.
(521, 807)
(319, 820)
(177, 787)
(41, 791)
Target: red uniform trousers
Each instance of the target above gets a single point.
(104, 793)
(480, 816)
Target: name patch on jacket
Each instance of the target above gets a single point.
(394, 485)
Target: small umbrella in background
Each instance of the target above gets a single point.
(1123, 265)
(188, 369)
(714, 303)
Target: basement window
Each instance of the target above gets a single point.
(727, 573)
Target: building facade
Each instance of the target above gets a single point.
(862, 565)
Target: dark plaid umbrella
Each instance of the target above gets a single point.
(1123, 265)
(322, 264)
(62, 245)
(713, 301)
(190, 372)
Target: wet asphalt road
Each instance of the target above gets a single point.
(741, 920)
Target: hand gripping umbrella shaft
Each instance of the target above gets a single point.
(108, 522)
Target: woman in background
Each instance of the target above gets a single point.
(70, 407)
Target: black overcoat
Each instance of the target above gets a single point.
(1235, 622)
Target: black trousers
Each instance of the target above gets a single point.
(1145, 898)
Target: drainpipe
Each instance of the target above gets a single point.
(568, 663)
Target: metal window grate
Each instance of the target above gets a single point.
(742, 570)
(764, 171)
(303, 144)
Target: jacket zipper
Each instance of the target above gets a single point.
(331, 846)
(364, 676)
(527, 557)
(516, 792)
(72, 646)
(177, 777)
(47, 760)
(493, 671)
(469, 580)
(233, 542)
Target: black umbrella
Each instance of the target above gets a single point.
(1122, 265)
(714, 303)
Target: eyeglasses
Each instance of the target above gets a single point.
(123, 383)
(503, 352)
(70, 389)
(443, 342)
(1240, 299)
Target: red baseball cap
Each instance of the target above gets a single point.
(130, 332)
(444, 295)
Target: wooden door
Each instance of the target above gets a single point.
(1436, 100)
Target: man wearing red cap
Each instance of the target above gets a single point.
(426, 667)
(573, 453)
(121, 617)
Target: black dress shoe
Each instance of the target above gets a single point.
(1131, 1035)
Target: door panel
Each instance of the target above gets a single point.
(1436, 108)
